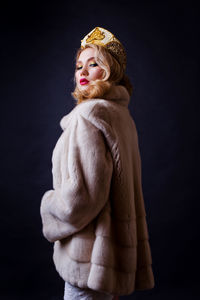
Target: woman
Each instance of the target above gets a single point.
(95, 214)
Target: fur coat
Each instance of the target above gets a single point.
(95, 213)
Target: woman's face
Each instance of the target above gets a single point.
(87, 69)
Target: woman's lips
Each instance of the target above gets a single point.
(83, 81)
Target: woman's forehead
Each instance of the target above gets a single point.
(86, 54)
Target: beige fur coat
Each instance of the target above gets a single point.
(95, 213)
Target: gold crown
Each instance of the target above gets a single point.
(103, 37)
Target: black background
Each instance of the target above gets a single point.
(38, 45)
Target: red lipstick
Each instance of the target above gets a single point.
(83, 81)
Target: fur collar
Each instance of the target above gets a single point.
(119, 94)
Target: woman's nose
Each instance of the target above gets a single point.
(84, 71)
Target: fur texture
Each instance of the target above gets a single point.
(95, 213)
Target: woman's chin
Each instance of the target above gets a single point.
(83, 87)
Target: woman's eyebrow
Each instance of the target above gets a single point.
(79, 61)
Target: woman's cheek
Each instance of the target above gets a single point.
(99, 73)
(77, 78)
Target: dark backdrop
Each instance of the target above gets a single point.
(38, 45)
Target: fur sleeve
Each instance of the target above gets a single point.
(85, 190)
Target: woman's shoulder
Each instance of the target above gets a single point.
(97, 111)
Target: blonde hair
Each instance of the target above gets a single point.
(113, 74)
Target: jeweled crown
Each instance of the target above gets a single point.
(103, 37)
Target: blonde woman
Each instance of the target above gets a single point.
(95, 213)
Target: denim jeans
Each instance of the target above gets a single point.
(75, 293)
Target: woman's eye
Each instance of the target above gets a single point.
(94, 64)
(78, 68)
